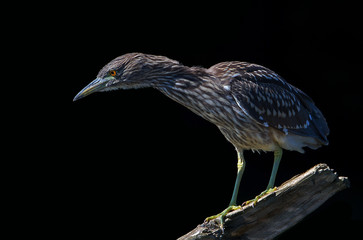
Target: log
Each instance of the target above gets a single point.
(275, 212)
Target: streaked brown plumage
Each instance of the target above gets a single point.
(253, 107)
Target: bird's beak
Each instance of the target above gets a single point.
(95, 86)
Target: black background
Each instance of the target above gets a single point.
(135, 162)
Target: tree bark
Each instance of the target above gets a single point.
(276, 212)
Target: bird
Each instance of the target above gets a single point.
(253, 107)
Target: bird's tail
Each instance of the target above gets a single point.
(318, 122)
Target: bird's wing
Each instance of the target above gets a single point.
(270, 100)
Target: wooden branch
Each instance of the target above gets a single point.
(277, 211)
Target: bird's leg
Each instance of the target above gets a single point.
(271, 183)
(277, 159)
(241, 164)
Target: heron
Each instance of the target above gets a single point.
(253, 107)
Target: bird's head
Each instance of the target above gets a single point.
(132, 70)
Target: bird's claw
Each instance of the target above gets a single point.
(255, 200)
(222, 216)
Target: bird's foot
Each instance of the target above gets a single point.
(222, 215)
(254, 201)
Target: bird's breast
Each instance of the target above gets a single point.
(221, 110)
(206, 101)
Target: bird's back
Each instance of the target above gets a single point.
(268, 100)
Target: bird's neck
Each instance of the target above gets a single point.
(193, 88)
(180, 80)
(163, 73)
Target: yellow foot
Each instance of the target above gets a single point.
(267, 191)
(222, 215)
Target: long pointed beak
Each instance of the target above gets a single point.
(95, 86)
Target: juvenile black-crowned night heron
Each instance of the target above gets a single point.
(254, 108)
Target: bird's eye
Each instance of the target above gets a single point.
(113, 73)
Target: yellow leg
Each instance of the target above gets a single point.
(241, 164)
(270, 187)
